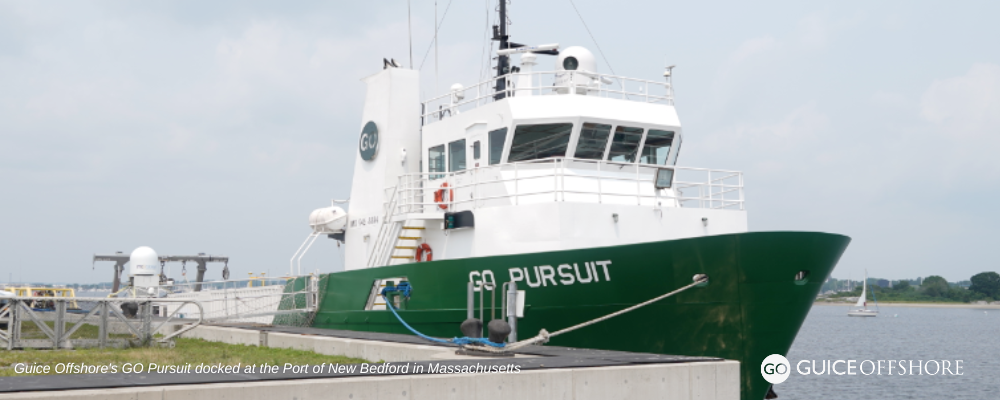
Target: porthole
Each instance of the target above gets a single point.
(802, 277)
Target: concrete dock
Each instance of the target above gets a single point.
(545, 372)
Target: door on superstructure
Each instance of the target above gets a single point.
(476, 158)
(477, 143)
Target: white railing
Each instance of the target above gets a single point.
(108, 315)
(547, 83)
(253, 300)
(565, 180)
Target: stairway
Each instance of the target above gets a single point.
(405, 249)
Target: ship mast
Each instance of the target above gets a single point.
(503, 61)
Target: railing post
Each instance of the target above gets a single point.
(600, 191)
(102, 332)
(638, 186)
(60, 323)
(147, 323)
(555, 180)
(517, 191)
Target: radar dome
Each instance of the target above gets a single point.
(576, 58)
(143, 261)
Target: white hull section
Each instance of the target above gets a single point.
(531, 228)
(862, 313)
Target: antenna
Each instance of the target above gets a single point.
(435, 47)
(409, 30)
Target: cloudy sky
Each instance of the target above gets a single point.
(193, 126)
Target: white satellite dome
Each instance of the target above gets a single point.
(576, 58)
(143, 261)
(581, 64)
(331, 219)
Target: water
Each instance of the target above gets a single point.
(914, 334)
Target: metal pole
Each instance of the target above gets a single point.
(470, 302)
(102, 335)
(147, 322)
(436, 86)
(60, 323)
(201, 274)
(502, 61)
(512, 311)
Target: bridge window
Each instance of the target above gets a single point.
(593, 141)
(677, 154)
(456, 156)
(435, 161)
(498, 138)
(625, 144)
(657, 147)
(533, 142)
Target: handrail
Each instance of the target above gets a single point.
(382, 240)
(560, 177)
(562, 83)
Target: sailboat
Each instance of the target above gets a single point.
(863, 302)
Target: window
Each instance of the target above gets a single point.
(475, 150)
(435, 161)
(593, 140)
(498, 138)
(677, 154)
(456, 156)
(625, 144)
(533, 142)
(657, 147)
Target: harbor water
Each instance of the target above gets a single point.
(898, 333)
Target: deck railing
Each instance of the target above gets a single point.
(246, 300)
(547, 83)
(565, 180)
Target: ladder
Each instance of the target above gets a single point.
(410, 236)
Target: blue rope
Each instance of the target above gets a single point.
(457, 340)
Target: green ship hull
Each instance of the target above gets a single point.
(752, 307)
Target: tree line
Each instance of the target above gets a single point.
(984, 286)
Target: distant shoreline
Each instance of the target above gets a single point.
(923, 305)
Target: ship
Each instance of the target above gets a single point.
(565, 183)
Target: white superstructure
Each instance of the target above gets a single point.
(560, 159)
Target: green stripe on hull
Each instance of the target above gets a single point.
(751, 308)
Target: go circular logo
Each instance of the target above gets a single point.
(775, 369)
(368, 145)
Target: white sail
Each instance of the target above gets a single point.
(864, 287)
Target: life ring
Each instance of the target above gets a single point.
(424, 248)
(439, 196)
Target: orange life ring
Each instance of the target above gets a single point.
(439, 196)
(424, 248)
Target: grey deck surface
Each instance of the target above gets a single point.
(550, 357)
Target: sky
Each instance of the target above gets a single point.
(216, 127)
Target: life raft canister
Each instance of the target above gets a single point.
(439, 196)
(424, 248)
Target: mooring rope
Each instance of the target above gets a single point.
(458, 340)
(544, 336)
